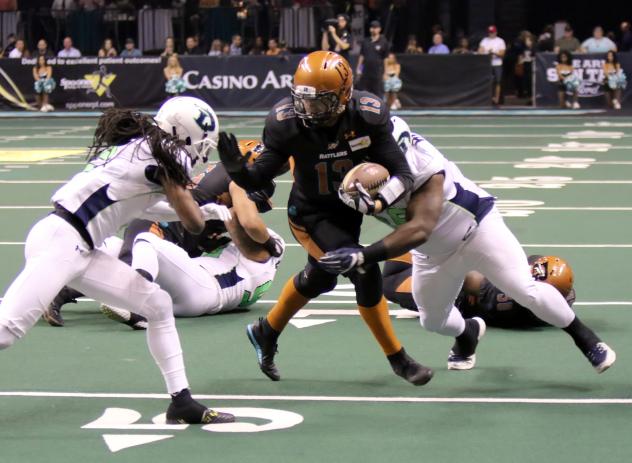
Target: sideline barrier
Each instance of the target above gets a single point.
(237, 82)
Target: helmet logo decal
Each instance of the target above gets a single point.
(205, 120)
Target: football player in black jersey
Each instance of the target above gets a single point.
(479, 297)
(212, 186)
(327, 128)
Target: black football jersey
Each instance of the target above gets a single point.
(323, 155)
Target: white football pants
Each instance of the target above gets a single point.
(494, 251)
(193, 289)
(56, 256)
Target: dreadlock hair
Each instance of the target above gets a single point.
(118, 127)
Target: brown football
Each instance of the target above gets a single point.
(370, 175)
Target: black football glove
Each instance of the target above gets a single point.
(229, 153)
(274, 246)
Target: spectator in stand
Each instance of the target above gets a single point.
(463, 48)
(568, 42)
(545, 40)
(19, 51)
(216, 48)
(175, 84)
(524, 49)
(107, 50)
(90, 5)
(44, 83)
(68, 51)
(170, 47)
(191, 47)
(392, 82)
(258, 47)
(568, 81)
(370, 68)
(412, 48)
(283, 51)
(598, 43)
(495, 46)
(235, 46)
(11, 39)
(626, 37)
(226, 49)
(130, 50)
(438, 47)
(42, 49)
(338, 38)
(614, 80)
(273, 48)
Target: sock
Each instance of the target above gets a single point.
(466, 342)
(290, 301)
(145, 259)
(583, 336)
(379, 322)
(164, 345)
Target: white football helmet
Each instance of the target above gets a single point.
(192, 121)
(401, 133)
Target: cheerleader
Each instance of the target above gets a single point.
(568, 81)
(44, 83)
(173, 74)
(614, 80)
(392, 82)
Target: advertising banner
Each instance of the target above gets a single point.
(588, 68)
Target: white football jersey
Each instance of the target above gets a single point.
(465, 204)
(113, 189)
(242, 281)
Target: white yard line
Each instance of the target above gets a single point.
(317, 398)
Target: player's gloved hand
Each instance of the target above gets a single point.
(229, 153)
(274, 246)
(361, 201)
(212, 211)
(342, 260)
(262, 197)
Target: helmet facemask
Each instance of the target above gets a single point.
(200, 149)
(316, 108)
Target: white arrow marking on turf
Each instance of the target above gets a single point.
(308, 323)
(116, 442)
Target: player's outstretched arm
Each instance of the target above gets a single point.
(185, 206)
(422, 215)
(256, 176)
(248, 216)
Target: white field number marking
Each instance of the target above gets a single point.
(555, 162)
(125, 419)
(577, 146)
(508, 183)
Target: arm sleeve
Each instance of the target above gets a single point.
(386, 152)
(269, 164)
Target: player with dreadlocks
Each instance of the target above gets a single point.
(133, 164)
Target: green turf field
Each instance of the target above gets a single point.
(565, 187)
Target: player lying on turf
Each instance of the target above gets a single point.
(454, 227)
(478, 296)
(233, 276)
(327, 128)
(212, 187)
(133, 165)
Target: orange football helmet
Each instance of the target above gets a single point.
(322, 87)
(554, 271)
(250, 149)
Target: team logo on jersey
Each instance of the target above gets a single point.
(332, 146)
(205, 120)
(350, 134)
(360, 143)
(100, 81)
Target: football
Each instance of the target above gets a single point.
(370, 175)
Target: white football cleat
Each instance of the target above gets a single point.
(456, 361)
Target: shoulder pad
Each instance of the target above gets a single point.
(282, 111)
(369, 108)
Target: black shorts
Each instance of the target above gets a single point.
(320, 228)
(497, 74)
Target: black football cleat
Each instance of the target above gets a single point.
(408, 368)
(183, 409)
(131, 319)
(52, 313)
(462, 356)
(263, 338)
